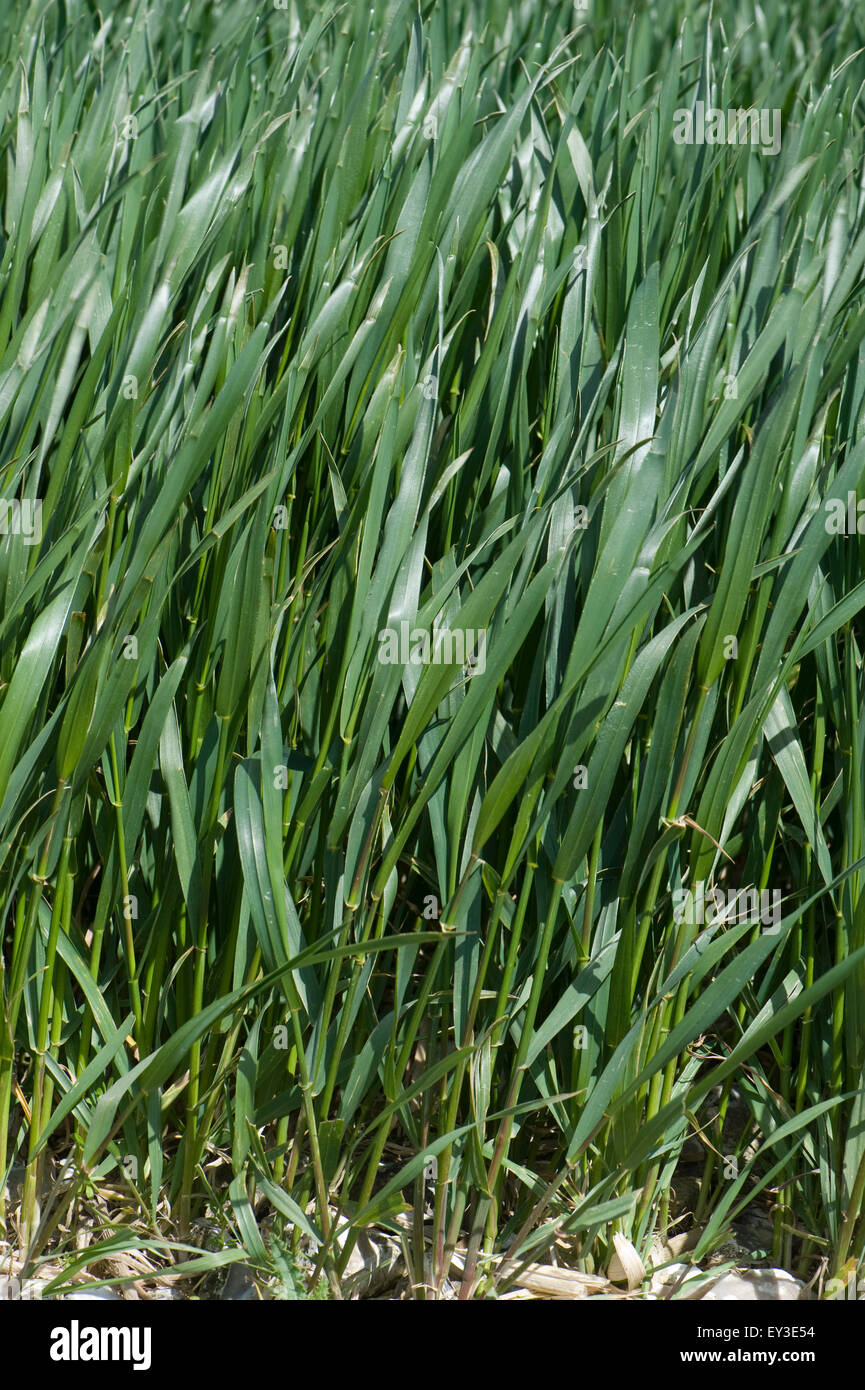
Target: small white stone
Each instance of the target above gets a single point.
(756, 1284)
(672, 1274)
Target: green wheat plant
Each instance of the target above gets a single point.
(324, 327)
